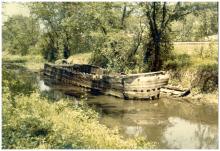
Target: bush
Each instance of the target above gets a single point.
(206, 78)
(99, 59)
(113, 53)
(34, 122)
(178, 62)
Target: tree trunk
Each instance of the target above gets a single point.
(66, 52)
(156, 64)
(123, 17)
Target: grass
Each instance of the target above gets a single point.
(33, 122)
(81, 58)
(200, 54)
(192, 49)
(32, 62)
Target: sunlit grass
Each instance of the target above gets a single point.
(35, 122)
(200, 54)
(81, 58)
(194, 48)
(32, 62)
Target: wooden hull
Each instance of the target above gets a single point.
(133, 86)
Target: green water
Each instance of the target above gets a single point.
(171, 123)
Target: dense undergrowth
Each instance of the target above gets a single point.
(196, 68)
(32, 121)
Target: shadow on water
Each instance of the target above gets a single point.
(21, 80)
(173, 124)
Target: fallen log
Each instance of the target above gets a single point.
(175, 91)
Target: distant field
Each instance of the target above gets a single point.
(195, 48)
(201, 53)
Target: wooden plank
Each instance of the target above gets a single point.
(146, 85)
(144, 80)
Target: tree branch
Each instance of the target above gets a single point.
(164, 15)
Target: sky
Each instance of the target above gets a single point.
(9, 9)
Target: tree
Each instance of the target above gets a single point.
(115, 32)
(121, 25)
(67, 27)
(198, 25)
(160, 16)
(20, 34)
(45, 13)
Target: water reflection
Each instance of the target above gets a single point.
(18, 79)
(171, 123)
(42, 86)
(181, 133)
(133, 130)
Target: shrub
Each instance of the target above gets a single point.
(178, 62)
(206, 77)
(99, 59)
(113, 53)
(34, 122)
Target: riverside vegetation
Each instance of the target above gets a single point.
(33, 121)
(121, 37)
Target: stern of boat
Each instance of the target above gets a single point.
(144, 85)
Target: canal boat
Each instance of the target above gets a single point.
(128, 86)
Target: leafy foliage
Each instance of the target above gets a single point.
(124, 37)
(34, 122)
(207, 78)
(20, 34)
(177, 63)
